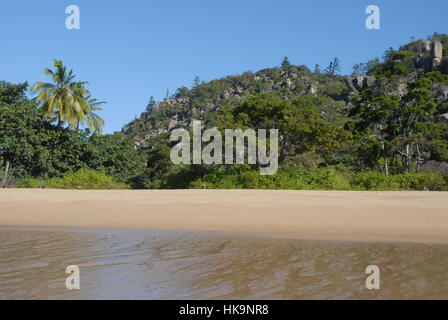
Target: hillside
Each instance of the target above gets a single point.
(333, 94)
(205, 99)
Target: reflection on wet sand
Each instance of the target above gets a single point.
(137, 264)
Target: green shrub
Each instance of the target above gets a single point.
(421, 181)
(85, 179)
(326, 179)
(373, 181)
(376, 181)
(30, 183)
(314, 179)
(321, 179)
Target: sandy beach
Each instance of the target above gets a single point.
(416, 217)
(232, 244)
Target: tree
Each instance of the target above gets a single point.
(359, 69)
(150, 104)
(398, 121)
(365, 67)
(334, 67)
(32, 147)
(196, 81)
(16, 125)
(181, 92)
(12, 93)
(418, 104)
(115, 155)
(371, 64)
(36, 148)
(300, 125)
(285, 63)
(374, 114)
(388, 54)
(65, 99)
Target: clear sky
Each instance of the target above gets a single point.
(131, 50)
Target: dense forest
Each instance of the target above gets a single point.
(384, 127)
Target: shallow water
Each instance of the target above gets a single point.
(136, 264)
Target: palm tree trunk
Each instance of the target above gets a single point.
(5, 176)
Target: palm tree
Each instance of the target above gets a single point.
(67, 100)
(91, 119)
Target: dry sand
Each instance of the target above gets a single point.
(420, 217)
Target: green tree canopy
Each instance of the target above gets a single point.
(301, 127)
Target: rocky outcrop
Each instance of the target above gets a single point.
(170, 102)
(436, 54)
(401, 90)
(192, 112)
(358, 83)
(232, 92)
(172, 124)
(442, 95)
(442, 117)
(312, 90)
(429, 55)
(287, 84)
(208, 107)
(156, 108)
(179, 110)
(431, 58)
(355, 84)
(412, 77)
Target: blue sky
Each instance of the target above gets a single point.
(131, 50)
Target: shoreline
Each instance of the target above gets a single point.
(410, 217)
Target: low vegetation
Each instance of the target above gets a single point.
(322, 179)
(83, 179)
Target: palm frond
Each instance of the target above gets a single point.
(68, 100)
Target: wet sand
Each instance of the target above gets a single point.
(196, 244)
(417, 217)
(146, 264)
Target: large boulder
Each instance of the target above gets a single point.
(172, 124)
(436, 54)
(442, 117)
(411, 77)
(402, 90)
(369, 81)
(208, 107)
(226, 94)
(442, 95)
(358, 83)
(192, 112)
(312, 90)
(287, 83)
(157, 107)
